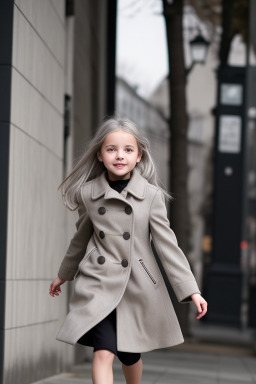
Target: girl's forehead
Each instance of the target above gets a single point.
(120, 137)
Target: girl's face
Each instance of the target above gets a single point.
(119, 153)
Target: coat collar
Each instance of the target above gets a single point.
(136, 186)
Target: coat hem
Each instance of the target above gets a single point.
(153, 347)
(91, 325)
(106, 313)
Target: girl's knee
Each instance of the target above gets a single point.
(104, 355)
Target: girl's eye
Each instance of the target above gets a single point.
(110, 149)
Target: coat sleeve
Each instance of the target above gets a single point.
(174, 261)
(78, 244)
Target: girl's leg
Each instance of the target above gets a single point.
(133, 373)
(102, 367)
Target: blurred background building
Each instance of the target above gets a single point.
(65, 65)
(149, 119)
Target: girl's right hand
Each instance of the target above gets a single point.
(55, 286)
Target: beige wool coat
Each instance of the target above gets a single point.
(113, 266)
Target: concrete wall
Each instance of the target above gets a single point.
(53, 55)
(36, 217)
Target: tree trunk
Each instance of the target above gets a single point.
(178, 128)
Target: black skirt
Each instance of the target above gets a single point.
(103, 336)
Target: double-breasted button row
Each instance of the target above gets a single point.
(126, 235)
(128, 210)
(101, 260)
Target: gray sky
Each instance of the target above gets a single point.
(142, 58)
(141, 44)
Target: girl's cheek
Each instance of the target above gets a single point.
(109, 155)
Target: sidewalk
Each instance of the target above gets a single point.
(221, 335)
(187, 363)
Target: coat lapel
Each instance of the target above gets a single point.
(136, 187)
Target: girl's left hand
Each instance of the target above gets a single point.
(55, 286)
(200, 303)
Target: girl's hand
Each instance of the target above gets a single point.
(200, 303)
(55, 286)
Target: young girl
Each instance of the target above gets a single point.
(120, 304)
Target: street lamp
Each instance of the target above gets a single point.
(198, 48)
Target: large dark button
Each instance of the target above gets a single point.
(128, 209)
(124, 263)
(102, 210)
(102, 234)
(101, 259)
(126, 235)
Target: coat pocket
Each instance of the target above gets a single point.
(149, 274)
(86, 256)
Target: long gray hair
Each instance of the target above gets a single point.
(88, 166)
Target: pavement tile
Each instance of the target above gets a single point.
(225, 381)
(175, 366)
(184, 379)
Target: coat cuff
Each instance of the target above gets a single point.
(66, 273)
(185, 289)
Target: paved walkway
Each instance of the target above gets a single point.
(191, 363)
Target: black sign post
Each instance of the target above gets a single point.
(224, 280)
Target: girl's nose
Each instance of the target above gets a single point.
(119, 155)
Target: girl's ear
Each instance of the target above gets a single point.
(140, 155)
(99, 156)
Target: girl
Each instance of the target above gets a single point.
(120, 304)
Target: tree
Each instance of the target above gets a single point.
(173, 13)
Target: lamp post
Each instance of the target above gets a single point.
(198, 49)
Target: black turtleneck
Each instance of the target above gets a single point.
(118, 185)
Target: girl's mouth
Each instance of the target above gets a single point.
(119, 166)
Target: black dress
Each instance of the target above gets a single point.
(103, 334)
